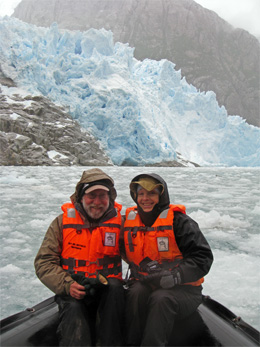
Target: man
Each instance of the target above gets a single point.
(79, 261)
(168, 257)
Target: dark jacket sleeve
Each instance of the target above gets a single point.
(197, 254)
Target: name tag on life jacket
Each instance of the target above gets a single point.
(110, 239)
(163, 244)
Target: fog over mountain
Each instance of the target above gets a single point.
(211, 54)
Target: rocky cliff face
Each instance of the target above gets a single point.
(211, 54)
(34, 131)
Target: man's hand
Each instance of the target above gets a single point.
(90, 285)
(77, 291)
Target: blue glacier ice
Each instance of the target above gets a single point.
(141, 111)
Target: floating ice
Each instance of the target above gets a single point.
(10, 269)
(213, 219)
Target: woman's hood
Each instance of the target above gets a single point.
(164, 200)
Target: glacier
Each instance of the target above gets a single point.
(142, 112)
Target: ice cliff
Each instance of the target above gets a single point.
(211, 54)
(142, 112)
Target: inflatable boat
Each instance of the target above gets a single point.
(211, 325)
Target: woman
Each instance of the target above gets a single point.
(167, 256)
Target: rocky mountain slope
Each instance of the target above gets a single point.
(34, 131)
(211, 54)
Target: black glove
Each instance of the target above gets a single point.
(90, 284)
(155, 278)
(169, 279)
(150, 266)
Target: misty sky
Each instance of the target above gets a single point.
(240, 13)
(243, 14)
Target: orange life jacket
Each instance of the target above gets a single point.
(156, 242)
(88, 252)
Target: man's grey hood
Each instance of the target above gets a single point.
(91, 176)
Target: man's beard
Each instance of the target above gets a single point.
(95, 212)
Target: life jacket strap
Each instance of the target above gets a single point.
(74, 263)
(104, 272)
(134, 230)
(107, 261)
(88, 225)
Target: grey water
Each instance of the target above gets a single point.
(224, 201)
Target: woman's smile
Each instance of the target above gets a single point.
(147, 200)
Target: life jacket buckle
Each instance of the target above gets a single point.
(88, 274)
(88, 262)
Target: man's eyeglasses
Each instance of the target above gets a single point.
(92, 196)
